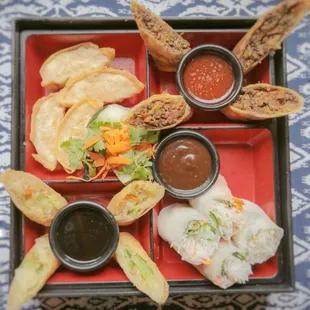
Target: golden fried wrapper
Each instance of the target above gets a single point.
(72, 61)
(268, 32)
(158, 112)
(164, 44)
(263, 101)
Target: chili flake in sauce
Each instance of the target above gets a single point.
(208, 77)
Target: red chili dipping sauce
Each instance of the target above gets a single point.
(185, 164)
(208, 77)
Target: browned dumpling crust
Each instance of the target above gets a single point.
(158, 112)
(263, 101)
(269, 31)
(72, 61)
(164, 44)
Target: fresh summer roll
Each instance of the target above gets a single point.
(230, 266)
(224, 210)
(192, 235)
(260, 236)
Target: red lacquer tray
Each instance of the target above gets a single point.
(254, 157)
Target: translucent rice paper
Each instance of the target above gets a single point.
(224, 210)
(260, 236)
(193, 236)
(230, 266)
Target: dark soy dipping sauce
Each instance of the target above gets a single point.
(185, 164)
(82, 234)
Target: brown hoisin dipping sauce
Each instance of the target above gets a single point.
(185, 164)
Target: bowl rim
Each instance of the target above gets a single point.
(229, 57)
(71, 263)
(215, 162)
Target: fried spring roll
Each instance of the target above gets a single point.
(31, 196)
(269, 32)
(158, 112)
(135, 200)
(164, 44)
(36, 268)
(263, 101)
(140, 269)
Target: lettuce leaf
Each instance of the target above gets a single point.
(76, 155)
(139, 135)
(139, 169)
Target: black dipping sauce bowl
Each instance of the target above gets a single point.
(84, 236)
(182, 135)
(230, 58)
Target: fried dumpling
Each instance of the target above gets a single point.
(72, 61)
(140, 269)
(263, 101)
(31, 196)
(134, 200)
(158, 112)
(164, 44)
(45, 119)
(106, 85)
(35, 269)
(74, 126)
(269, 32)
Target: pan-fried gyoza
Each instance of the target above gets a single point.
(45, 119)
(263, 101)
(73, 128)
(105, 85)
(165, 45)
(72, 61)
(269, 32)
(158, 112)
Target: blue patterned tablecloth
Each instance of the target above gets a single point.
(298, 59)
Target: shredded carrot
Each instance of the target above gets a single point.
(99, 163)
(91, 142)
(28, 193)
(206, 261)
(117, 141)
(132, 197)
(143, 146)
(120, 148)
(94, 156)
(71, 177)
(104, 128)
(218, 283)
(116, 160)
(238, 204)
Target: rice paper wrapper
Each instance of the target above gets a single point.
(230, 265)
(221, 207)
(188, 232)
(260, 236)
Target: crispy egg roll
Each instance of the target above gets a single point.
(158, 112)
(31, 196)
(164, 44)
(35, 269)
(140, 269)
(263, 101)
(135, 200)
(269, 32)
